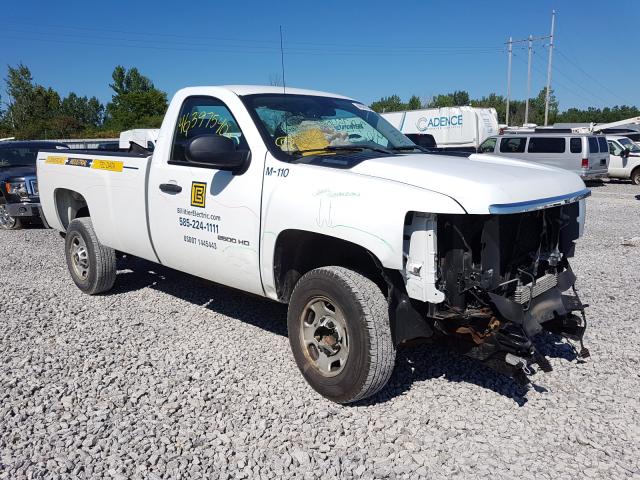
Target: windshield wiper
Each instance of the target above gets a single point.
(342, 148)
(409, 147)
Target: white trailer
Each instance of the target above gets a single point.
(451, 127)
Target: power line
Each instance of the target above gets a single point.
(258, 42)
(136, 43)
(588, 75)
(561, 84)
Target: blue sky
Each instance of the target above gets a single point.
(361, 49)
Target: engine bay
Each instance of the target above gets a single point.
(504, 280)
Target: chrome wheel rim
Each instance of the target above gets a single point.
(6, 220)
(324, 336)
(79, 256)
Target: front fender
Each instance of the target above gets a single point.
(360, 209)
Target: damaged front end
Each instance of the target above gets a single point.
(496, 281)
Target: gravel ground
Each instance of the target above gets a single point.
(173, 377)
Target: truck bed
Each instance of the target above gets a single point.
(111, 183)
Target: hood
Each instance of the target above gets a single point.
(481, 184)
(17, 172)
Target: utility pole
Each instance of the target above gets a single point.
(509, 80)
(526, 108)
(546, 102)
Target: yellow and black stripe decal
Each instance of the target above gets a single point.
(110, 165)
(98, 164)
(56, 160)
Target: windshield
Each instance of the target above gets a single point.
(632, 146)
(314, 125)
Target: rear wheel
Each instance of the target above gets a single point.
(7, 222)
(635, 176)
(340, 335)
(92, 265)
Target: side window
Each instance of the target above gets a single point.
(602, 141)
(513, 144)
(204, 116)
(547, 145)
(488, 146)
(575, 144)
(614, 148)
(593, 145)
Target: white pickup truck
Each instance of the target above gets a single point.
(314, 200)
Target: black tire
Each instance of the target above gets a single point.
(92, 265)
(7, 222)
(635, 176)
(364, 309)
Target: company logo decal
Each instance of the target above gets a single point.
(439, 122)
(198, 194)
(79, 162)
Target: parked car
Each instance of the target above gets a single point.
(19, 196)
(584, 154)
(625, 158)
(313, 200)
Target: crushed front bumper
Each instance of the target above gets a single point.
(556, 309)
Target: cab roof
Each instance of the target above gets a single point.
(257, 89)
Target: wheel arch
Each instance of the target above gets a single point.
(297, 252)
(70, 205)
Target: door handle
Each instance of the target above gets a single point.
(170, 188)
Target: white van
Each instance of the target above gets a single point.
(584, 154)
(625, 158)
(453, 128)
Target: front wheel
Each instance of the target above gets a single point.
(339, 332)
(7, 222)
(635, 176)
(92, 265)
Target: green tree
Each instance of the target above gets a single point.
(87, 111)
(394, 103)
(597, 115)
(31, 108)
(414, 103)
(455, 99)
(492, 101)
(128, 81)
(388, 104)
(5, 130)
(136, 102)
(536, 108)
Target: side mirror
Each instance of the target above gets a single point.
(217, 151)
(625, 152)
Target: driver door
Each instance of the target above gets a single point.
(205, 221)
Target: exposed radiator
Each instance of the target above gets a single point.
(524, 293)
